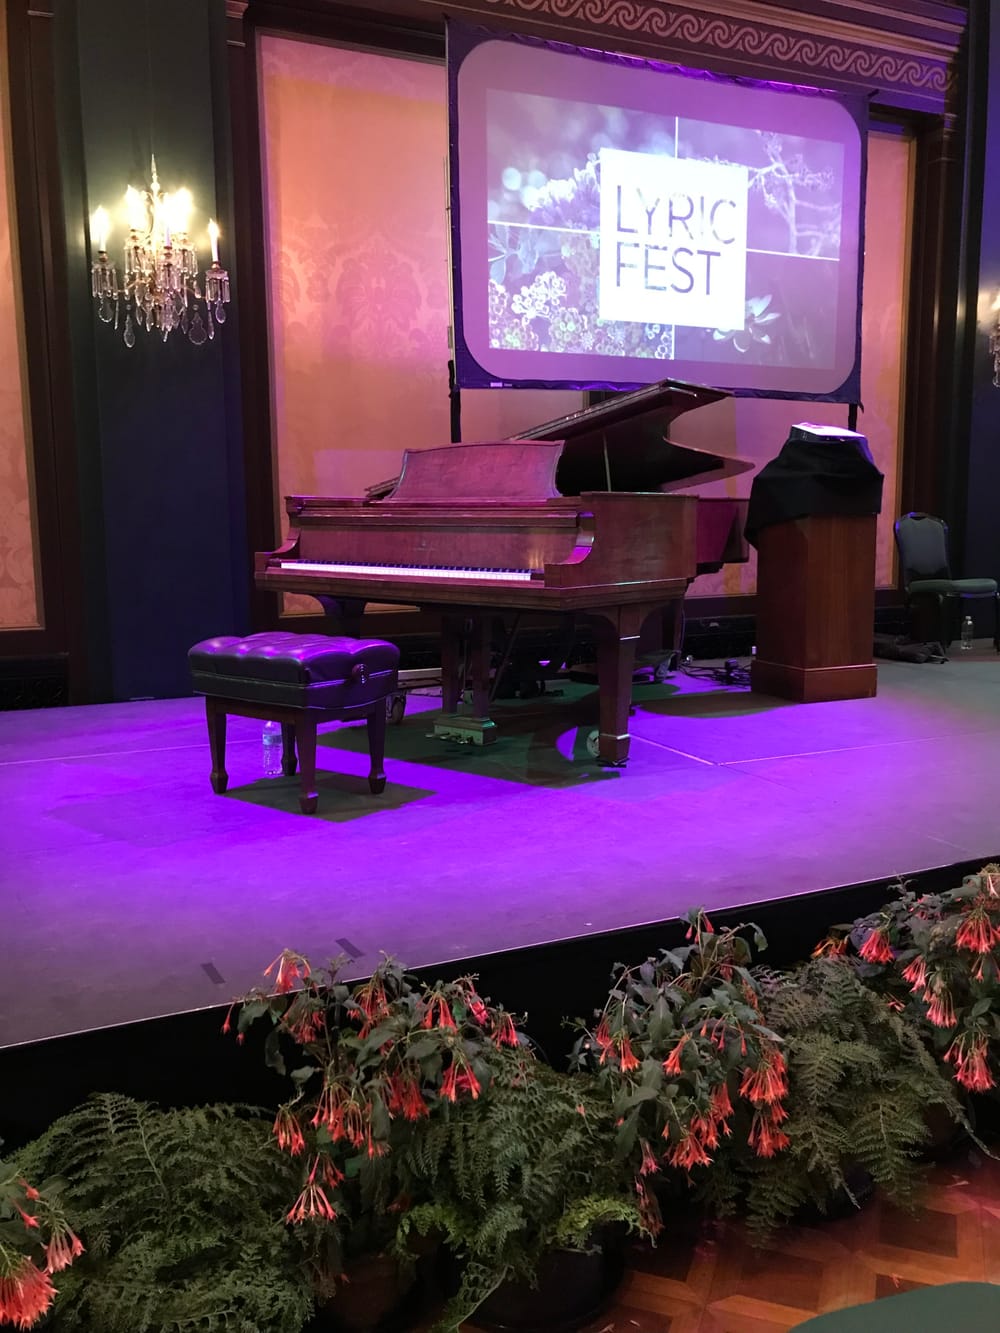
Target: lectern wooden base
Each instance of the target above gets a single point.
(814, 685)
(816, 609)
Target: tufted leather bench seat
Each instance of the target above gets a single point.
(298, 680)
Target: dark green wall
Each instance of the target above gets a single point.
(158, 427)
(981, 555)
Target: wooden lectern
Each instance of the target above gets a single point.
(816, 609)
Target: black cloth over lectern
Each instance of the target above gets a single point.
(814, 474)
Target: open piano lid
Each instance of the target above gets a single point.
(623, 441)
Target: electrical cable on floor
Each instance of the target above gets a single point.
(732, 672)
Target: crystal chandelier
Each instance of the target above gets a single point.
(160, 291)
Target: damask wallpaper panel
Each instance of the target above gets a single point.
(355, 147)
(18, 581)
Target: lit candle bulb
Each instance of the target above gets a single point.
(213, 236)
(99, 229)
(166, 219)
(135, 210)
(180, 211)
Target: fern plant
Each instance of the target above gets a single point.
(860, 1081)
(522, 1171)
(182, 1216)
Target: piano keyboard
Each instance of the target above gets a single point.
(411, 571)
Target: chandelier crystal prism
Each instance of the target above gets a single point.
(160, 292)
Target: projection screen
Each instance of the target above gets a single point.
(615, 221)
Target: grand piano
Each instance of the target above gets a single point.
(579, 517)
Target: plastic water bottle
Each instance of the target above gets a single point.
(271, 748)
(968, 631)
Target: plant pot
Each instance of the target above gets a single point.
(947, 1138)
(376, 1295)
(573, 1286)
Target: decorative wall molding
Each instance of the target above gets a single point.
(906, 63)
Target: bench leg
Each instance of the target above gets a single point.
(288, 749)
(376, 746)
(305, 743)
(215, 715)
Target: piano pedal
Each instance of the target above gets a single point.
(395, 708)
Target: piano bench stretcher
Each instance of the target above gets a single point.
(299, 681)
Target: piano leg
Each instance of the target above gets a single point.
(452, 684)
(465, 652)
(616, 633)
(344, 613)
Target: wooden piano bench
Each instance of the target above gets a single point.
(297, 680)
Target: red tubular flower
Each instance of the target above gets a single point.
(976, 933)
(304, 1024)
(627, 1058)
(649, 1164)
(479, 1011)
(449, 1084)
(940, 1010)
(29, 1191)
(311, 1204)
(602, 1036)
(689, 1152)
(672, 1064)
(769, 1081)
(61, 1250)
(288, 1132)
(765, 1138)
(329, 1110)
(375, 1147)
(291, 967)
(505, 1033)
(332, 1176)
(467, 1082)
(968, 1053)
(26, 1292)
(371, 999)
(876, 948)
(705, 1128)
(444, 1014)
(722, 1107)
(830, 947)
(405, 1097)
(915, 973)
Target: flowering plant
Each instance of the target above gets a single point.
(35, 1242)
(937, 956)
(859, 1083)
(377, 1060)
(680, 1040)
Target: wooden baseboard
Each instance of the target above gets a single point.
(813, 685)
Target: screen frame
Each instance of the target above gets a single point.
(469, 256)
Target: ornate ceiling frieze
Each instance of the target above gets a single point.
(897, 66)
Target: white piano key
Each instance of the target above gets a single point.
(408, 571)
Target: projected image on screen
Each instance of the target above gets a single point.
(600, 240)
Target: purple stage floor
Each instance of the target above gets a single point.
(129, 890)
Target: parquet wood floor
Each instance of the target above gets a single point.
(708, 1278)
